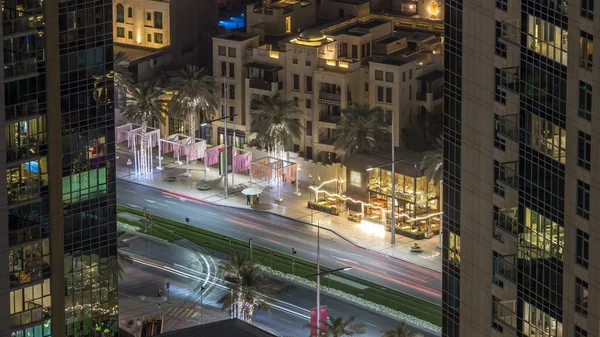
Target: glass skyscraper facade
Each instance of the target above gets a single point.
(58, 214)
(521, 121)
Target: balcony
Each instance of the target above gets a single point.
(506, 267)
(511, 32)
(507, 221)
(16, 21)
(260, 84)
(19, 68)
(510, 79)
(508, 126)
(329, 117)
(508, 174)
(30, 274)
(504, 312)
(330, 96)
(326, 140)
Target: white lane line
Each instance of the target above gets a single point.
(373, 325)
(342, 259)
(150, 201)
(130, 191)
(171, 202)
(285, 320)
(152, 206)
(133, 206)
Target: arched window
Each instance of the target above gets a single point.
(129, 12)
(120, 13)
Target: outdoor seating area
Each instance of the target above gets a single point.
(273, 171)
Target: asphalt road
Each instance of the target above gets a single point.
(157, 263)
(281, 234)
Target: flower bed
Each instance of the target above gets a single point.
(127, 227)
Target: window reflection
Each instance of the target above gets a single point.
(544, 234)
(454, 248)
(24, 138)
(25, 180)
(84, 185)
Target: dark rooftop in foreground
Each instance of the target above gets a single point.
(227, 328)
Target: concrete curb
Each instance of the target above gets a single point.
(290, 218)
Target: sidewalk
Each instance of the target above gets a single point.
(372, 237)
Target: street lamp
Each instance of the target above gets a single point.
(393, 163)
(318, 274)
(223, 118)
(297, 180)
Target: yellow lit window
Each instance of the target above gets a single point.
(273, 54)
(343, 64)
(330, 63)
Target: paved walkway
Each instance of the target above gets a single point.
(370, 236)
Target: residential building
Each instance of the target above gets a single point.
(325, 70)
(58, 202)
(520, 126)
(167, 33)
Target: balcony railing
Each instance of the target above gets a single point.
(508, 126)
(507, 267)
(257, 83)
(16, 21)
(507, 222)
(323, 139)
(20, 67)
(330, 96)
(426, 96)
(508, 174)
(511, 32)
(329, 118)
(23, 109)
(510, 79)
(505, 314)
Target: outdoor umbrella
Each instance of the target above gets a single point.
(251, 191)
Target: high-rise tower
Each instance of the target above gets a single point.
(520, 129)
(57, 203)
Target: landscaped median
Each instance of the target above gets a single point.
(170, 230)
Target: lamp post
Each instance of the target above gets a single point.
(393, 163)
(318, 274)
(224, 119)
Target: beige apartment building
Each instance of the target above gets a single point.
(325, 70)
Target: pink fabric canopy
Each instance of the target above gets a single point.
(242, 162)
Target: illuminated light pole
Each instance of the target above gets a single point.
(318, 274)
(297, 193)
(223, 118)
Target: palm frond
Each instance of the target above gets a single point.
(145, 103)
(361, 130)
(195, 93)
(276, 123)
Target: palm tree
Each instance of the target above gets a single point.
(249, 288)
(196, 93)
(433, 163)
(361, 130)
(338, 327)
(120, 75)
(401, 330)
(145, 105)
(276, 124)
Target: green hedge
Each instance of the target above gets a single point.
(171, 230)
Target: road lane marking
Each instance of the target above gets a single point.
(133, 206)
(342, 259)
(285, 320)
(152, 206)
(130, 191)
(150, 201)
(171, 202)
(373, 325)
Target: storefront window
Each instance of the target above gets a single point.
(545, 237)
(538, 323)
(25, 180)
(415, 196)
(24, 138)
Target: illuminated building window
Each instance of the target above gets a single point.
(25, 180)
(545, 237)
(454, 248)
(24, 138)
(547, 138)
(82, 186)
(581, 296)
(120, 13)
(27, 262)
(538, 323)
(30, 304)
(158, 38)
(273, 54)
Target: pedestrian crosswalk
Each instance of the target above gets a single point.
(190, 313)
